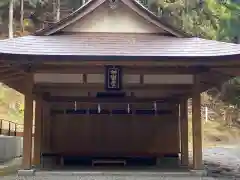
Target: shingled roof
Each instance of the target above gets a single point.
(93, 4)
(48, 44)
(111, 44)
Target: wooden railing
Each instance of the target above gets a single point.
(9, 128)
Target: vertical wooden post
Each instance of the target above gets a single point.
(38, 129)
(1, 126)
(15, 130)
(196, 125)
(46, 128)
(184, 131)
(28, 123)
(206, 113)
(9, 129)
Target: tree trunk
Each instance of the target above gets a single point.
(22, 16)
(10, 22)
(56, 10)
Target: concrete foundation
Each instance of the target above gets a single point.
(111, 173)
(199, 172)
(28, 172)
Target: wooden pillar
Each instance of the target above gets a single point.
(46, 143)
(38, 130)
(196, 125)
(184, 131)
(49, 127)
(28, 123)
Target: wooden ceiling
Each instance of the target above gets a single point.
(14, 75)
(143, 83)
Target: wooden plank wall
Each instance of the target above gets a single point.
(114, 134)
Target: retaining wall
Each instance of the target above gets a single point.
(10, 147)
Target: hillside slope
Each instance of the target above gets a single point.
(11, 104)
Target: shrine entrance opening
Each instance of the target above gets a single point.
(100, 122)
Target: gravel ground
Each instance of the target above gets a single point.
(107, 178)
(220, 162)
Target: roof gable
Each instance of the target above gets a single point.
(119, 20)
(82, 20)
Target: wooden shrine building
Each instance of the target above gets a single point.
(108, 81)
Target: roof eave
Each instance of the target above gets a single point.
(220, 60)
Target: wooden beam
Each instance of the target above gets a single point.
(102, 100)
(184, 131)
(66, 69)
(230, 71)
(5, 65)
(213, 77)
(11, 77)
(100, 87)
(28, 123)
(138, 93)
(223, 74)
(5, 69)
(197, 125)
(144, 62)
(15, 84)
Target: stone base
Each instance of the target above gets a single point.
(36, 167)
(26, 172)
(169, 162)
(199, 172)
(158, 162)
(184, 166)
(91, 174)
